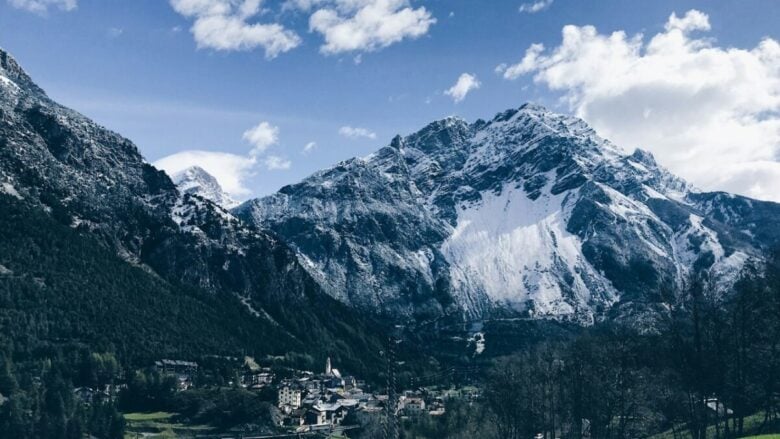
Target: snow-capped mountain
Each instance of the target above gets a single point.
(196, 181)
(530, 213)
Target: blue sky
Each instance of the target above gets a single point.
(138, 68)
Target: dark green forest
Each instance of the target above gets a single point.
(66, 299)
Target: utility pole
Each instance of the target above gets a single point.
(391, 420)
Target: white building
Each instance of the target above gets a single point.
(289, 397)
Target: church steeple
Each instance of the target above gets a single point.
(328, 368)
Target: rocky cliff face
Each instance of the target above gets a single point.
(530, 214)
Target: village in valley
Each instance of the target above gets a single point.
(328, 402)
(311, 401)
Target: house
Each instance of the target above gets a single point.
(290, 397)
(311, 398)
(295, 418)
(176, 366)
(257, 378)
(436, 407)
(414, 406)
(373, 406)
(315, 417)
(350, 382)
(333, 413)
(349, 404)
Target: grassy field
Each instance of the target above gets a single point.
(752, 423)
(159, 425)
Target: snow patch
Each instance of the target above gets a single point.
(514, 249)
(8, 84)
(479, 342)
(652, 193)
(8, 188)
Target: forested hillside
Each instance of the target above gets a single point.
(65, 297)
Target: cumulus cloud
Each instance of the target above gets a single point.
(691, 21)
(276, 163)
(261, 137)
(356, 133)
(309, 147)
(42, 6)
(367, 25)
(526, 65)
(228, 25)
(230, 170)
(465, 83)
(534, 7)
(709, 113)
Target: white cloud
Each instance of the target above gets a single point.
(534, 7)
(276, 163)
(691, 21)
(355, 133)
(526, 65)
(709, 113)
(465, 83)
(225, 25)
(42, 6)
(309, 147)
(368, 25)
(230, 170)
(261, 137)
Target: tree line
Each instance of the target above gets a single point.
(709, 369)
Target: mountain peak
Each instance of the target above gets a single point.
(531, 106)
(527, 108)
(197, 181)
(194, 172)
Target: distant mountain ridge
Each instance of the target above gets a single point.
(530, 213)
